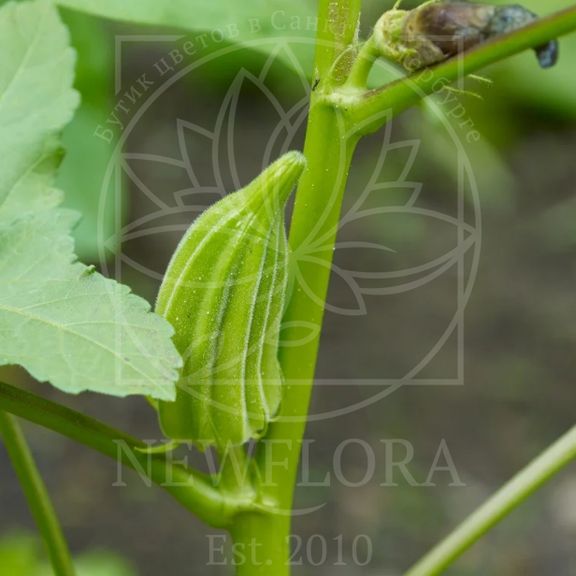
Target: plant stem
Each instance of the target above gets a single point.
(317, 212)
(316, 215)
(337, 29)
(191, 488)
(262, 543)
(234, 471)
(367, 55)
(328, 150)
(509, 497)
(36, 495)
(366, 108)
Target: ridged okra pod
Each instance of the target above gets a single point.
(224, 293)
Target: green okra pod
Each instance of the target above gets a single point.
(224, 294)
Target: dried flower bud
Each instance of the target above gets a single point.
(440, 29)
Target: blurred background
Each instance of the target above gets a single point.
(449, 340)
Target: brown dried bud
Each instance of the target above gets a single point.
(440, 29)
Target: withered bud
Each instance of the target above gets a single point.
(440, 29)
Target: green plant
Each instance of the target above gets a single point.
(67, 324)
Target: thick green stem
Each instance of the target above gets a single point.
(261, 545)
(314, 227)
(192, 489)
(317, 213)
(328, 150)
(337, 29)
(509, 497)
(36, 495)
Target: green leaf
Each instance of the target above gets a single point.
(240, 20)
(35, 77)
(58, 318)
(71, 326)
(192, 15)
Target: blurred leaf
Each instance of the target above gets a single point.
(93, 44)
(191, 15)
(253, 19)
(59, 319)
(87, 157)
(102, 564)
(81, 176)
(18, 555)
(21, 555)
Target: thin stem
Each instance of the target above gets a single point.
(191, 488)
(234, 471)
(366, 111)
(509, 497)
(36, 495)
(360, 71)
